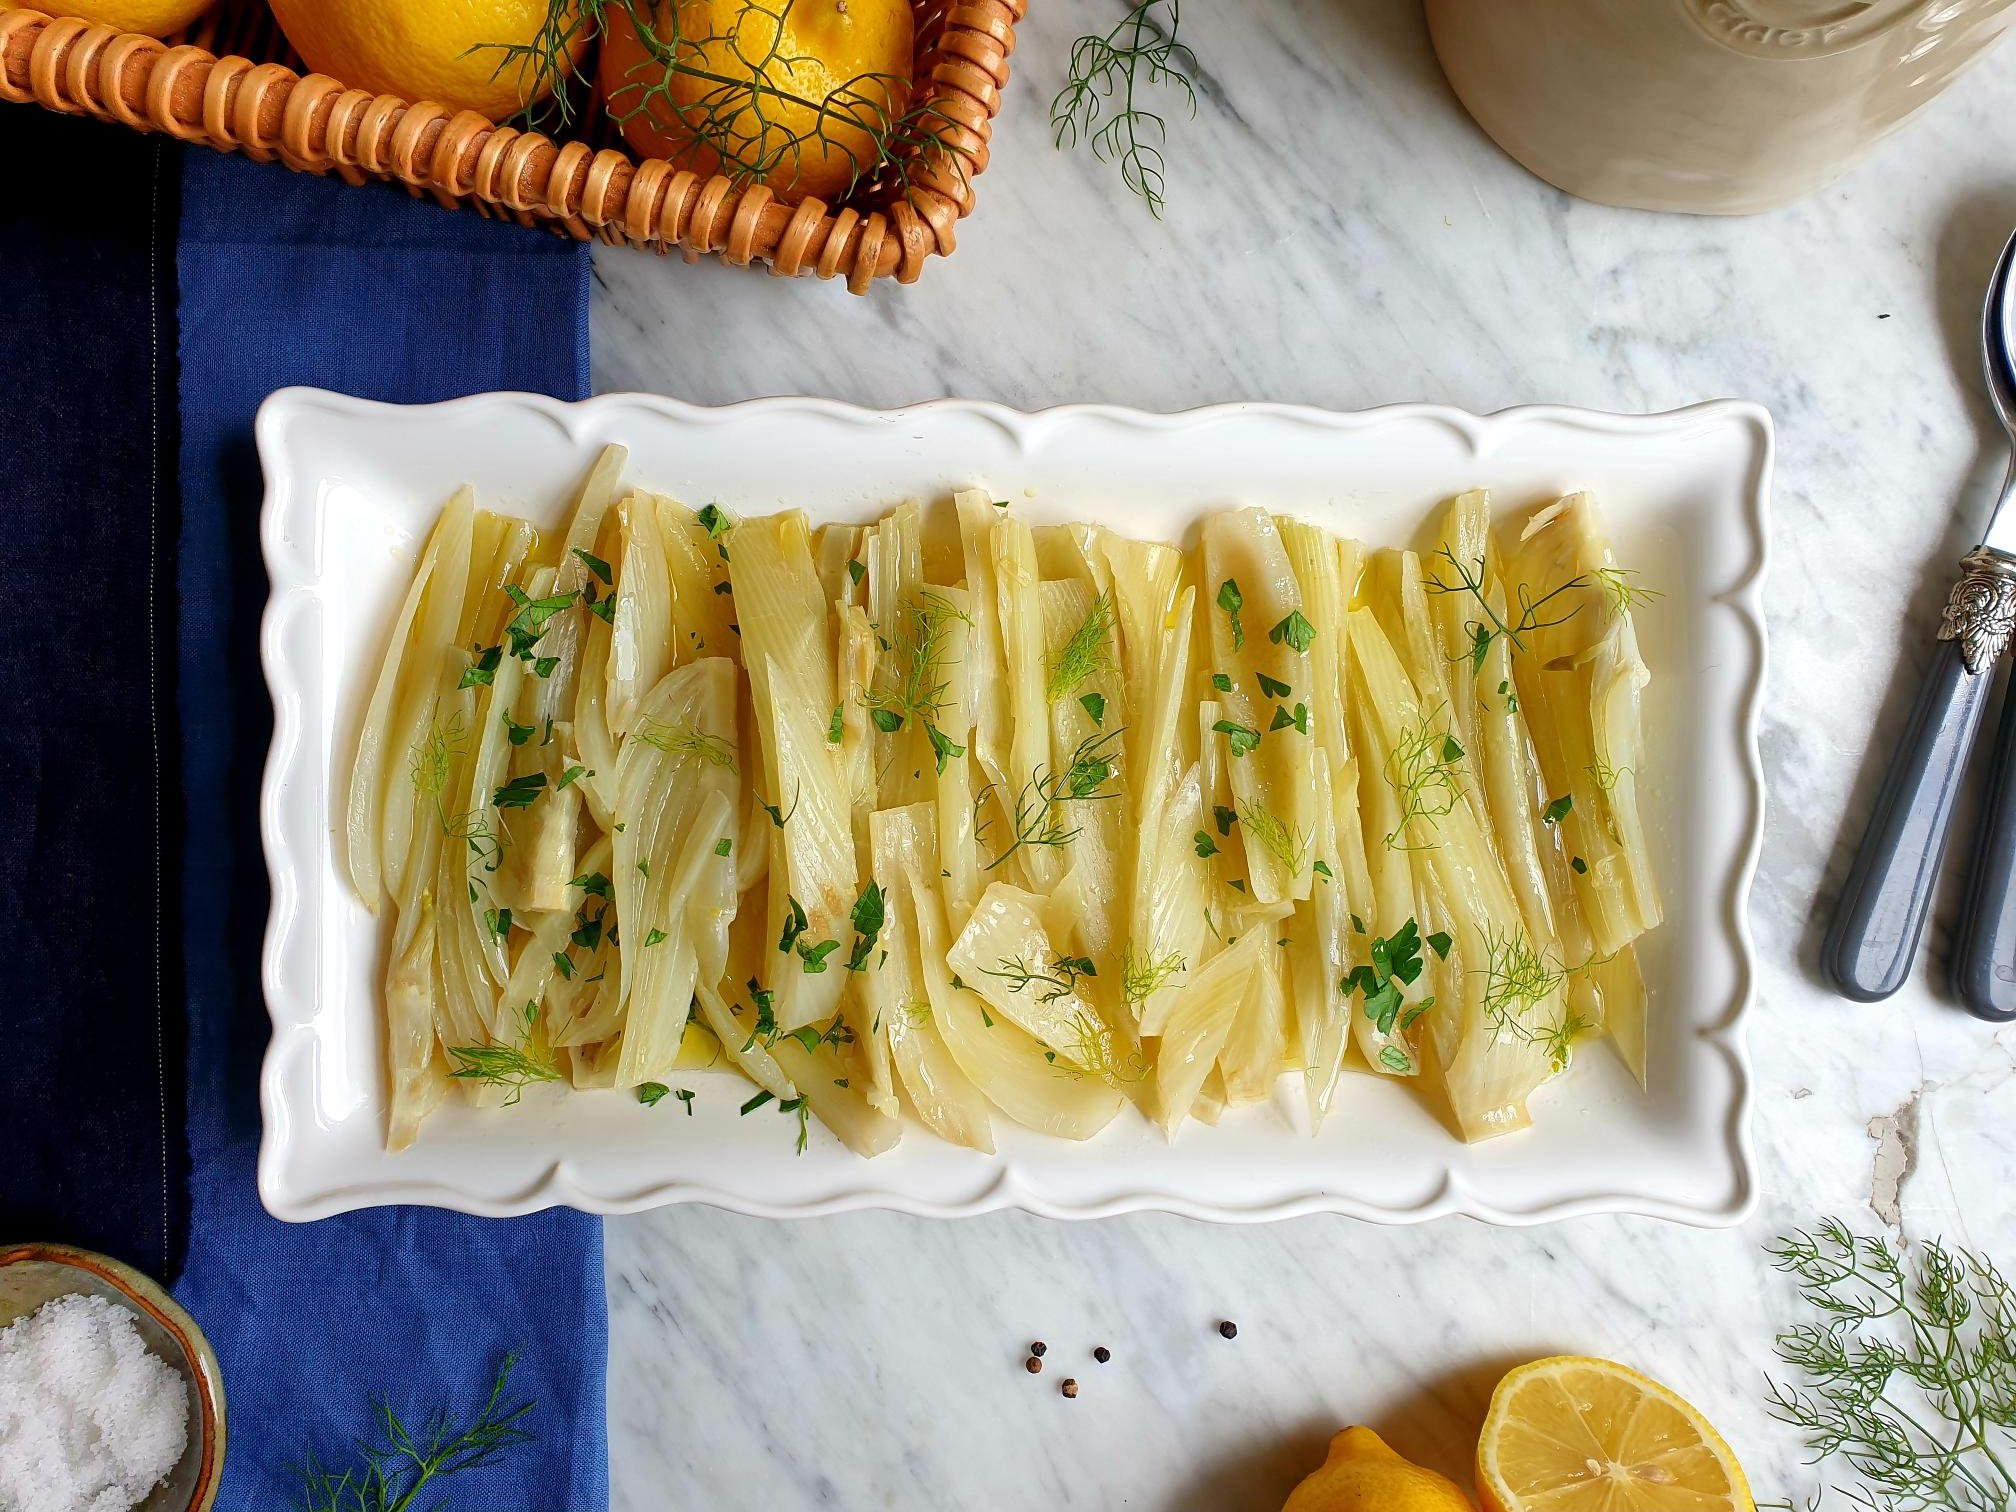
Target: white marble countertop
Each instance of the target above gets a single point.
(1339, 233)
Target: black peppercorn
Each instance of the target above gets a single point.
(1229, 1329)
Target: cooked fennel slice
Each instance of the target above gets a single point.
(1499, 1015)
(1170, 936)
(1579, 681)
(1083, 663)
(1146, 578)
(944, 1097)
(1270, 751)
(985, 658)
(1321, 953)
(674, 857)
(742, 1044)
(702, 606)
(1251, 1057)
(790, 659)
(373, 769)
(567, 631)
(856, 667)
(822, 1079)
(1474, 615)
(416, 1076)
(640, 634)
(1198, 1024)
(424, 729)
(1005, 953)
(1019, 596)
(1037, 1088)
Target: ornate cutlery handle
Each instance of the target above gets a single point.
(1874, 934)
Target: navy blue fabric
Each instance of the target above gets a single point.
(289, 279)
(91, 1084)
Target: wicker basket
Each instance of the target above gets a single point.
(232, 85)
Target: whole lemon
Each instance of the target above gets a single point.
(1363, 1475)
(799, 94)
(157, 18)
(448, 51)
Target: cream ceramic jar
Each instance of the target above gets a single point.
(1712, 106)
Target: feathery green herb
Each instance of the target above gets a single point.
(397, 1467)
(1111, 76)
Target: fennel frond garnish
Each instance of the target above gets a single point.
(1143, 973)
(407, 1460)
(1058, 978)
(1087, 653)
(686, 741)
(1093, 1049)
(1422, 771)
(1481, 633)
(1113, 73)
(1623, 594)
(1517, 980)
(1039, 816)
(515, 1066)
(1267, 831)
(1908, 1379)
(1604, 775)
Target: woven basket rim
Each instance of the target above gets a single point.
(313, 123)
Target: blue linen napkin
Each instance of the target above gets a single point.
(287, 279)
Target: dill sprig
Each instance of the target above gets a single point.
(1909, 1380)
(515, 1066)
(1113, 73)
(1039, 808)
(396, 1469)
(1273, 836)
(1086, 653)
(1623, 594)
(685, 740)
(1143, 973)
(1055, 979)
(1517, 980)
(1481, 633)
(887, 132)
(1422, 771)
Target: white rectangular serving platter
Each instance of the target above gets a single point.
(352, 488)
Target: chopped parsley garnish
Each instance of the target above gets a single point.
(856, 571)
(1283, 720)
(516, 733)
(723, 846)
(655, 937)
(1206, 846)
(1094, 705)
(1225, 817)
(714, 522)
(1296, 631)
(795, 923)
(520, 792)
(600, 568)
(834, 725)
(888, 721)
(1241, 737)
(1221, 682)
(1558, 810)
(652, 1093)
(1395, 963)
(867, 917)
(482, 671)
(1230, 600)
(1272, 688)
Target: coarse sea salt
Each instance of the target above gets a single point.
(89, 1420)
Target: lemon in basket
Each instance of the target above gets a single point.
(455, 52)
(801, 95)
(1363, 1475)
(1573, 1434)
(157, 18)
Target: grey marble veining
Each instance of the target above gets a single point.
(1339, 233)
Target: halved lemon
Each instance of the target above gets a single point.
(1574, 1434)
